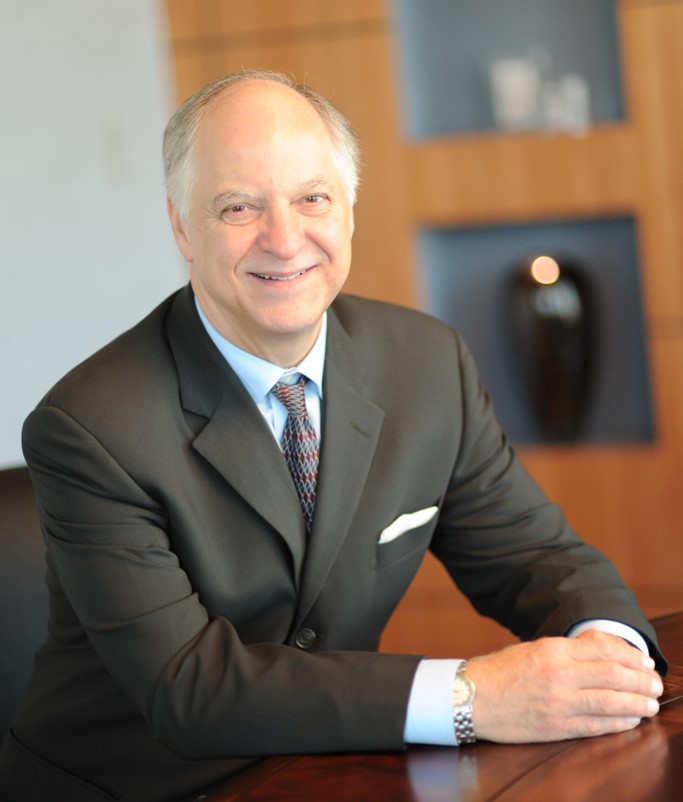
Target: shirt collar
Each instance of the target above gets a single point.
(258, 375)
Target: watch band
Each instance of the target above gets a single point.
(463, 698)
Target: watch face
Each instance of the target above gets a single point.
(463, 691)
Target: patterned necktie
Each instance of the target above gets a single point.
(300, 445)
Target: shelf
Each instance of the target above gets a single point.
(508, 177)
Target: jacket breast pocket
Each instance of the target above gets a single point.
(409, 534)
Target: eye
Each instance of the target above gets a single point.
(238, 213)
(315, 203)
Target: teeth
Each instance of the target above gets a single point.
(280, 278)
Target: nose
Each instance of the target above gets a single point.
(282, 232)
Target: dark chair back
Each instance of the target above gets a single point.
(23, 594)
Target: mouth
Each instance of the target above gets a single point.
(276, 277)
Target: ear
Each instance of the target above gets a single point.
(180, 232)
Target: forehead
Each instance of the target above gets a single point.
(261, 117)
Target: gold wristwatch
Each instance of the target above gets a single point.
(463, 699)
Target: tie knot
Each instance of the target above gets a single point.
(292, 396)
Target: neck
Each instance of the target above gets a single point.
(282, 353)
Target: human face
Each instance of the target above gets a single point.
(268, 233)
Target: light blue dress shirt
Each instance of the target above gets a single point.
(429, 718)
(259, 376)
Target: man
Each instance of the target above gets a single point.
(205, 613)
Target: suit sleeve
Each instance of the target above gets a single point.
(203, 693)
(509, 549)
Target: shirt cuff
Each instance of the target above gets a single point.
(611, 628)
(430, 706)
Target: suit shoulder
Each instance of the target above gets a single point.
(379, 321)
(120, 368)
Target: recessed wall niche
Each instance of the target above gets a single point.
(465, 276)
(446, 52)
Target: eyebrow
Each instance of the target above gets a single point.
(233, 196)
(313, 184)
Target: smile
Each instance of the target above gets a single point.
(280, 278)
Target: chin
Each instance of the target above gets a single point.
(294, 318)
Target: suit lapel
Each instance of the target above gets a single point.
(351, 427)
(235, 440)
(239, 445)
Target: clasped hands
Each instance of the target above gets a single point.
(558, 688)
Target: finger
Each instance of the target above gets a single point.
(616, 677)
(595, 645)
(616, 704)
(590, 726)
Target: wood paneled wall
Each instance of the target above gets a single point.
(342, 50)
(627, 500)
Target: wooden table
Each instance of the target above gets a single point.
(644, 765)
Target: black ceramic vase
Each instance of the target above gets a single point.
(552, 317)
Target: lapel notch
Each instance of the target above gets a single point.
(235, 440)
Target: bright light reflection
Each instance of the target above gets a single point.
(545, 270)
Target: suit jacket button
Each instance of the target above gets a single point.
(305, 638)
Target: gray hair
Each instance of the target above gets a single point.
(181, 133)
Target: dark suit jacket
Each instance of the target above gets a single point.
(192, 627)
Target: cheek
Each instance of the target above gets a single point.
(336, 238)
(344, 252)
(227, 249)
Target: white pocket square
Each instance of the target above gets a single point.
(404, 523)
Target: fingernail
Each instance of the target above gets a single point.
(648, 663)
(657, 687)
(652, 706)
